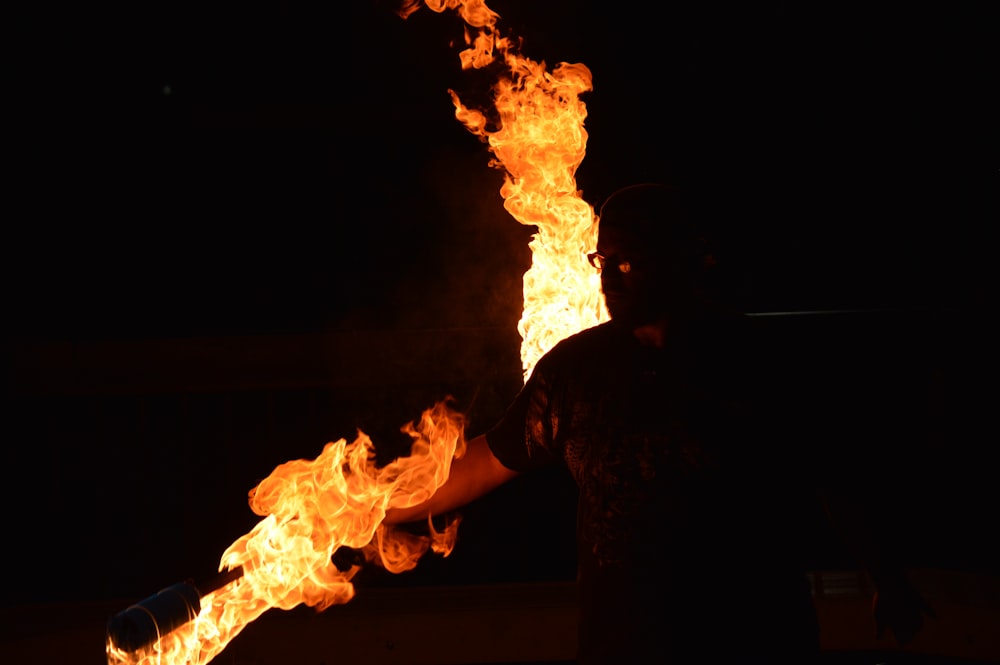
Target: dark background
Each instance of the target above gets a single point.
(238, 172)
(253, 168)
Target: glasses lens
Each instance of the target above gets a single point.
(601, 262)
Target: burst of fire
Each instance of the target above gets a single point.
(540, 143)
(311, 508)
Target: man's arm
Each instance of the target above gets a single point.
(475, 474)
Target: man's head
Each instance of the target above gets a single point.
(651, 255)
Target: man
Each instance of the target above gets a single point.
(688, 507)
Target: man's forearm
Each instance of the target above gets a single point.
(475, 474)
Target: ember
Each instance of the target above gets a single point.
(311, 509)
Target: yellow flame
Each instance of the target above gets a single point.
(540, 143)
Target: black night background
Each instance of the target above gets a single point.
(236, 231)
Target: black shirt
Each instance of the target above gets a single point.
(686, 512)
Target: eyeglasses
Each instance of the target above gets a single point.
(601, 262)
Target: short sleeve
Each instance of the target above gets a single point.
(524, 439)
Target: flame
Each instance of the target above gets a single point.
(312, 508)
(540, 143)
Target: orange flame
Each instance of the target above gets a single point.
(540, 144)
(311, 509)
(477, 15)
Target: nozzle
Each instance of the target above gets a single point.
(144, 623)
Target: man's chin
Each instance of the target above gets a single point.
(630, 314)
(625, 315)
(617, 307)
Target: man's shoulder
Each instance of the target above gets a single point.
(580, 349)
(601, 336)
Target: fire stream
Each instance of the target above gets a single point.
(311, 508)
(540, 143)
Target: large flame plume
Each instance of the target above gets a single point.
(312, 508)
(539, 143)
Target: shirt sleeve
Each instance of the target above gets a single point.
(524, 438)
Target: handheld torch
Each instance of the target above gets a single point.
(141, 625)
